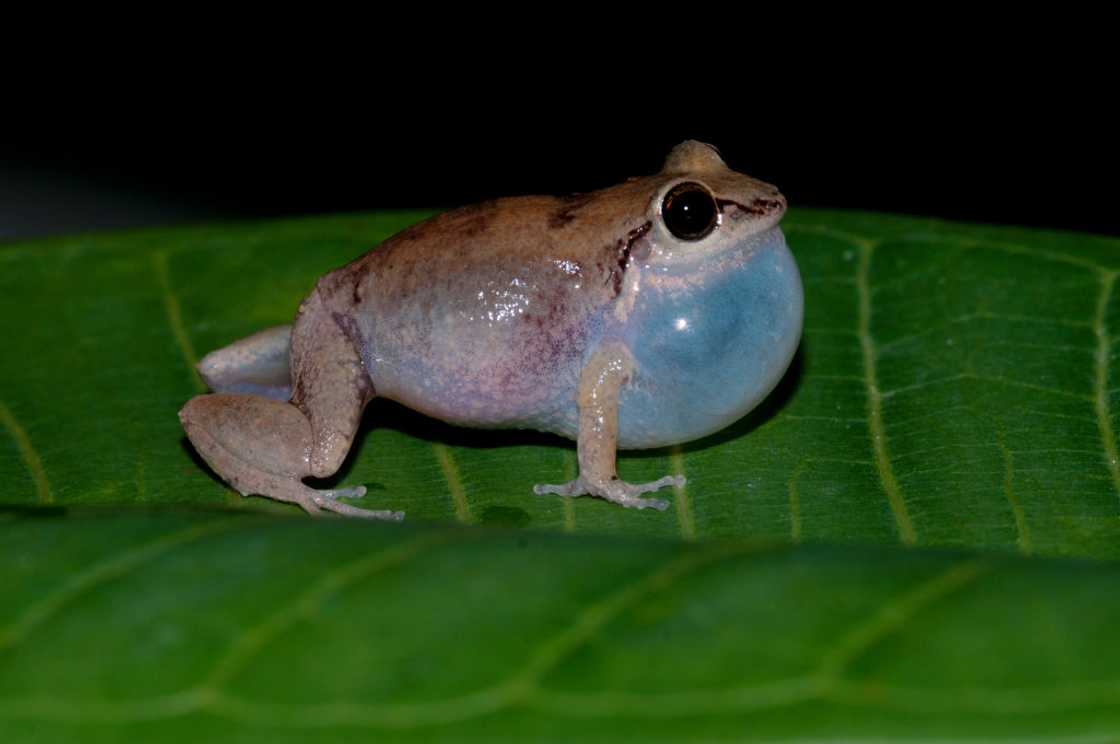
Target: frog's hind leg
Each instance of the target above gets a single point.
(599, 386)
(262, 446)
(257, 364)
(266, 446)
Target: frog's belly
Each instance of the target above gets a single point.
(709, 351)
(512, 374)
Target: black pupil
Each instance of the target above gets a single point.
(689, 211)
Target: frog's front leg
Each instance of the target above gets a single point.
(260, 445)
(600, 383)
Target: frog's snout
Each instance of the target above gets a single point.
(766, 210)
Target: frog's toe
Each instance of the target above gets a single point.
(329, 500)
(629, 493)
(669, 480)
(575, 487)
(633, 502)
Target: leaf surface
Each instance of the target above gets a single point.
(185, 627)
(956, 387)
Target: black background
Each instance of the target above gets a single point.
(1020, 150)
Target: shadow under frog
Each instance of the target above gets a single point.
(651, 313)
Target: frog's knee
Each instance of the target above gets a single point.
(257, 365)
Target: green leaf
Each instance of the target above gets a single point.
(211, 627)
(956, 385)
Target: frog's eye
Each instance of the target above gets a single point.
(689, 211)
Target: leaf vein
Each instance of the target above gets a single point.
(874, 401)
(684, 507)
(1102, 406)
(175, 318)
(254, 639)
(102, 572)
(985, 378)
(1012, 248)
(450, 472)
(795, 501)
(1022, 531)
(27, 453)
(569, 505)
(522, 685)
(894, 614)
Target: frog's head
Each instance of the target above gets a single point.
(715, 315)
(703, 207)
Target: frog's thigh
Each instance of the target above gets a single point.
(600, 385)
(256, 364)
(330, 384)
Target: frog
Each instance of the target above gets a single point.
(649, 313)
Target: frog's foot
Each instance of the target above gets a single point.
(329, 500)
(257, 364)
(315, 501)
(616, 491)
(263, 446)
